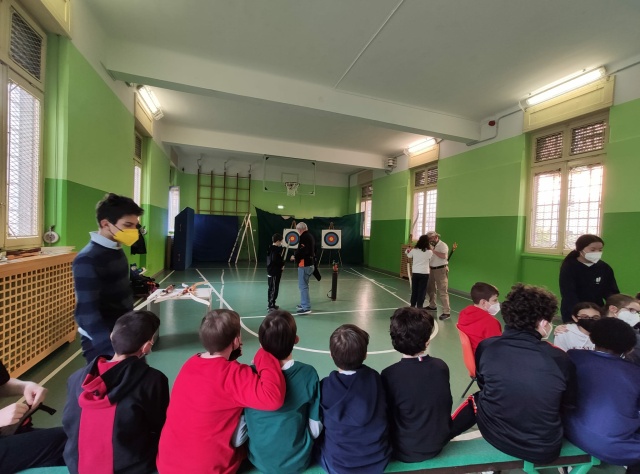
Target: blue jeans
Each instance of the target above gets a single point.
(303, 284)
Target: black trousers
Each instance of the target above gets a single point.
(37, 448)
(274, 287)
(419, 283)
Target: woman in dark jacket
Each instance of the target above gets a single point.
(584, 276)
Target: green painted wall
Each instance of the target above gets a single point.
(390, 221)
(89, 139)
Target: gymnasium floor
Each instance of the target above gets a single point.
(366, 298)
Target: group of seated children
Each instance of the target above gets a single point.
(279, 415)
(530, 395)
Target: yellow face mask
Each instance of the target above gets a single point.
(126, 237)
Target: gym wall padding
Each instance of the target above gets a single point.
(213, 237)
(182, 254)
(350, 224)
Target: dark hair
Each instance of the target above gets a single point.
(348, 346)
(410, 330)
(525, 306)
(582, 242)
(276, 238)
(218, 329)
(483, 291)
(618, 300)
(614, 335)
(423, 243)
(277, 334)
(132, 330)
(584, 305)
(113, 207)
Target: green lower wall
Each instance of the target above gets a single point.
(384, 249)
(486, 250)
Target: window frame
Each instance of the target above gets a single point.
(9, 75)
(367, 202)
(564, 164)
(418, 189)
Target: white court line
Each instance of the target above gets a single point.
(435, 321)
(318, 351)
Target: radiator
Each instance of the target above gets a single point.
(36, 309)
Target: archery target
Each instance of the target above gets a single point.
(291, 238)
(331, 239)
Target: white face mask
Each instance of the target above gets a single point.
(493, 309)
(546, 334)
(593, 257)
(628, 317)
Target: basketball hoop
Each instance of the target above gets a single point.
(292, 188)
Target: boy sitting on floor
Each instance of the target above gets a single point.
(354, 410)
(477, 320)
(208, 397)
(116, 406)
(417, 388)
(297, 423)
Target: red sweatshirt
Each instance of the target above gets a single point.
(206, 403)
(478, 325)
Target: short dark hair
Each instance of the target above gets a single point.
(526, 305)
(614, 335)
(410, 330)
(619, 300)
(348, 346)
(483, 291)
(277, 334)
(113, 207)
(132, 330)
(276, 238)
(584, 305)
(218, 329)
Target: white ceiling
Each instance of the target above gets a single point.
(349, 82)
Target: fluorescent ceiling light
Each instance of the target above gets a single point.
(151, 102)
(553, 90)
(280, 206)
(420, 147)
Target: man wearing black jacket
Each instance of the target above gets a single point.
(525, 383)
(304, 258)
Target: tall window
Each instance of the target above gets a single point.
(174, 206)
(425, 198)
(567, 175)
(137, 169)
(21, 99)
(366, 197)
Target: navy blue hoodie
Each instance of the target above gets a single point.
(355, 437)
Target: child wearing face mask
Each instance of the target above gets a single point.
(208, 396)
(477, 320)
(116, 406)
(576, 335)
(584, 276)
(626, 308)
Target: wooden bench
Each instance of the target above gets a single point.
(457, 457)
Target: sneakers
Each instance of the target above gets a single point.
(298, 306)
(303, 311)
(444, 316)
(273, 307)
(431, 308)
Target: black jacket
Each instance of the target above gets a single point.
(275, 262)
(579, 282)
(525, 385)
(115, 417)
(306, 249)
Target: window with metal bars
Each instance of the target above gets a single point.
(22, 98)
(366, 198)
(174, 207)
(425, 198)
(567, 179)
